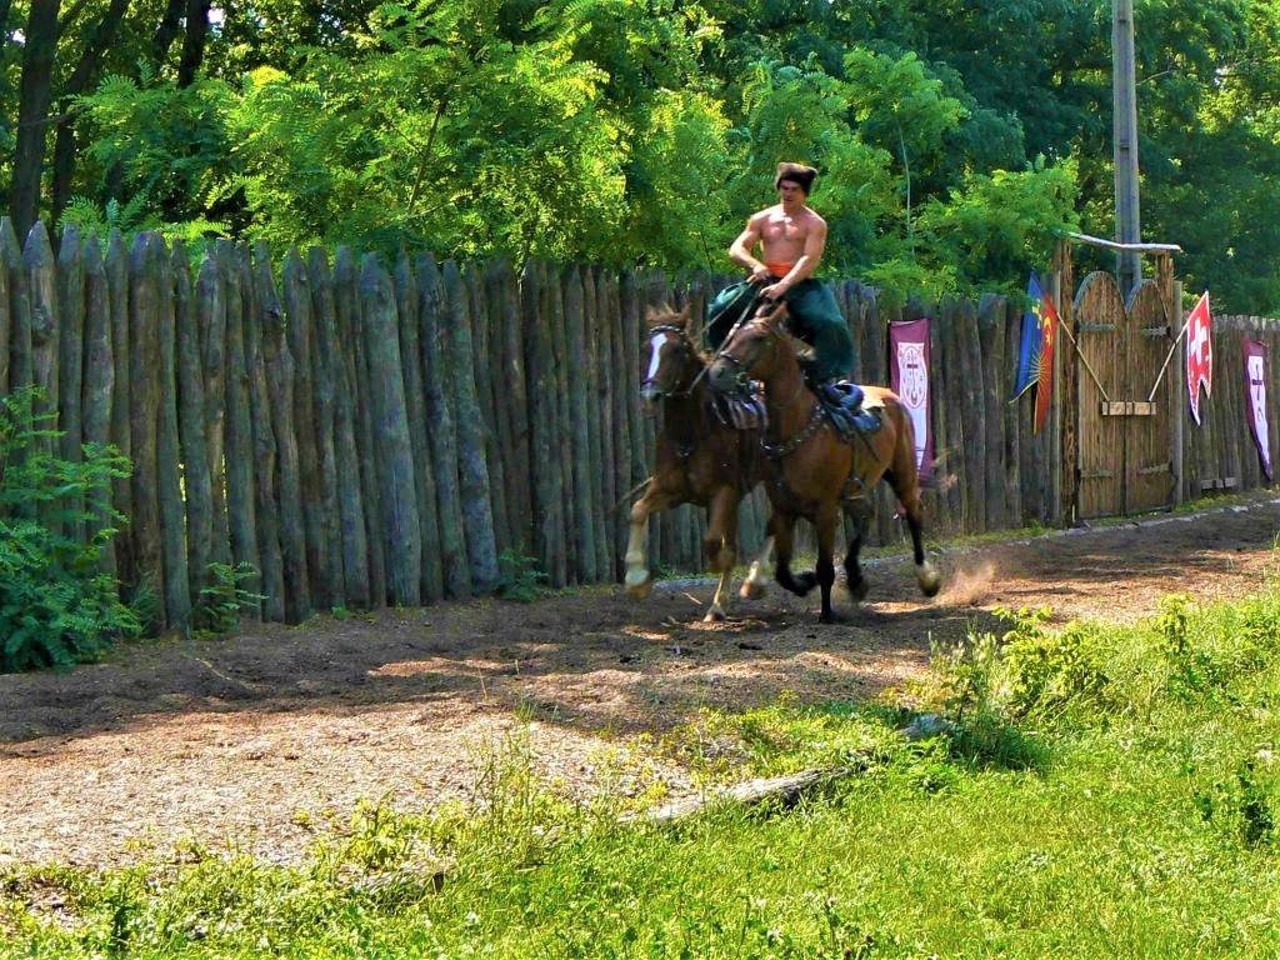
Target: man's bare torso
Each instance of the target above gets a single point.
(783, 235)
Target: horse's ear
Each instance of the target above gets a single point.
(682, 321)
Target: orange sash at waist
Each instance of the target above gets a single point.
(779, 270)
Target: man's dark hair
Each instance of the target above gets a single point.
(798, 174)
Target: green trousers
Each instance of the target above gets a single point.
(815, 319)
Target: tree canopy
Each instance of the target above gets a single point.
(954, 142)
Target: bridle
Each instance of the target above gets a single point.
(679, 333)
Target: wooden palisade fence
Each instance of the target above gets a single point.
(364, 434)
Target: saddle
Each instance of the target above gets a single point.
(842, 403)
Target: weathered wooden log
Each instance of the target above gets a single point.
(482, 372)
(211, 343)
(974, 416)
(621, 399)
(144, 418)
(300, 336)
(37, 257)
(397, 488)
(70, 293)
(473, 472)
(21, 356)
(266, 507)
(410, 329)
(580, 430)
(242, 527)
(511, 402)
(442, 438)
(539, 358)
(957, 438)
(993, 365)
(281, 371)
(556, 281)
(355, 401)
(173, 521)
(1013, 432)
(99, 380)
(192, 426)
(339, 460)
(6, 327)
(609, 527)
(598, 422)
(117, 278)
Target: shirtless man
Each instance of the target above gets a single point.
(791, 237)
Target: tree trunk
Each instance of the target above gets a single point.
(35, 93)
(193, 41)
(82, 77)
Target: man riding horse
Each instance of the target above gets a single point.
(791, 237)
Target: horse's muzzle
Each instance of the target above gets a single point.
(723, 375)
(650, 394)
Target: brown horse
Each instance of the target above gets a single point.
(815, 473)
(699, 459)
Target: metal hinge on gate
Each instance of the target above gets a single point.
(1127, 408)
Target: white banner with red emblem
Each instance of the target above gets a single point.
(1199, 353)
(1255, 383)
(909, 359)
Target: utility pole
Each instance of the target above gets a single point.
(1125, 143)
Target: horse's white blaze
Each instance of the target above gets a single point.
(655, 354)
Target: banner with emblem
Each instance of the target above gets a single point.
(909, 360)
(1199, 329)
(1255, 384)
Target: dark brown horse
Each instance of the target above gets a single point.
(699, 459)
(815, 474)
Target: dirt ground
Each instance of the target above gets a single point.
(264, 735)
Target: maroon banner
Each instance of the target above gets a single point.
(1255, 385)
(909, 360)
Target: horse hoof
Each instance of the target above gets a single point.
(830, 616)
(752, 590)
(858, 591)
(639, 585)
(714, 615)
(929, 579)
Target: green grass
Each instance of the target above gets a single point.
(1096, 791)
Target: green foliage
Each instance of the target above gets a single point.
(217, 610)
(57, 607)
(519, 577)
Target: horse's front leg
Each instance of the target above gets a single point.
(721, 546)
(639, 581)
(825, 522)
(782, 528)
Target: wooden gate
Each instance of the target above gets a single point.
(1126, 396)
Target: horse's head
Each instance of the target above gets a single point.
(669, 360)
(753, 350)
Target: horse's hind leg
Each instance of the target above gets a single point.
(859, 512)
(926, 573)
(908, 492)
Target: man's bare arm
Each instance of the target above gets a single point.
(814, 244)
(740, 250)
